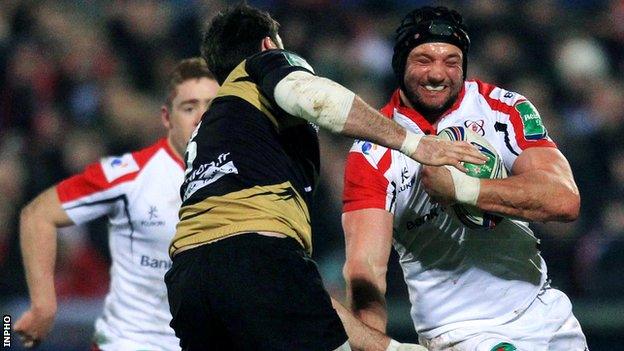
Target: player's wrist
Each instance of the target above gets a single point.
(397, 346)
(467, 188)
(410, 143)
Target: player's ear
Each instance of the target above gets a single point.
(268, 44)
(165, 116)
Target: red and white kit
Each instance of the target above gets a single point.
(458, 278)
(139, 192)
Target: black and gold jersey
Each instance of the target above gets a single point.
(250, 166)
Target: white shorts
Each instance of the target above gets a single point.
(547, 324)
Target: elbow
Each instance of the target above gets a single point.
(28, 212)
(362, 276)
(571, 208)
(353, 269)
(566, 209)
(34, 212)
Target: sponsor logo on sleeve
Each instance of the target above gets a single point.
(531, 121)
(296, 60)
(118, 166)
(372, 152)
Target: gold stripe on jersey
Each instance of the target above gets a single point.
(239, 84)
(271, 208)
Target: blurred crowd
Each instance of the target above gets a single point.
(83, 79)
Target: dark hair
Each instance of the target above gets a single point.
(234, 35)
(190, 68)
(426, 25)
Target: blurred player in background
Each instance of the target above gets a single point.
(139, 192)
(469, 289)
(242, 278)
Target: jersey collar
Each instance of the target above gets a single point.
(164, 143)
(395, 103)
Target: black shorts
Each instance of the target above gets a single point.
(251, 292)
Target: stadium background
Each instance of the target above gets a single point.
(82, 79)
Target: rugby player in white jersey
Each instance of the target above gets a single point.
(469, 289)
(139, 192)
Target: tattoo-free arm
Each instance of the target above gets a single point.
(541, 188)
(368, 240)
(38, 224)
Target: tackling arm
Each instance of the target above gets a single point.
(334, 107)
(368, 240)
(38, 224)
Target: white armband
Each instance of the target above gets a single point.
(397, 346)
(467, 188)
(410, 143)
(316, 99)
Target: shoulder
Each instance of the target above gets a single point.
(377, 156)
(275, 59)
(499, 99)
(108, 174)
(129, 165)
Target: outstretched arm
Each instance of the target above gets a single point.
(334, 107)
(38, 224)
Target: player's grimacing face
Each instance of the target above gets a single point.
(187, 107)
(433, 76)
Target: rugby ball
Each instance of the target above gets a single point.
(471, 216)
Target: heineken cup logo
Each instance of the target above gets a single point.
(531, 121)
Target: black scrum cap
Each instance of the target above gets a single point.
(427, 25)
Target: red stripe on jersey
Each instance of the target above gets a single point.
(144, 155)
(415, 116)
(365, 186)
(172, 153)
(93, 180)
(485, 90)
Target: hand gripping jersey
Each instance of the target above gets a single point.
(250, 166)
(139, 192)
(456, 276)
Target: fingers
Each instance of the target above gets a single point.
(435, 152)
(28, 341)
(470, 153)
(460, 166)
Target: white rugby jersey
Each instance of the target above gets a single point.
(455, 276)
(139, 192)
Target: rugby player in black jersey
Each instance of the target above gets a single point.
(242, 277)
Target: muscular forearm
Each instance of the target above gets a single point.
(361, 336)
(38, 247)
(332, 106)
(368, 241)
(368, 303)
(38, 224)
(535, 196)
(364, 122)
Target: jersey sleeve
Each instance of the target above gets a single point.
(518, 122)
(269, 67)
(367, 180)
(98, 189)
